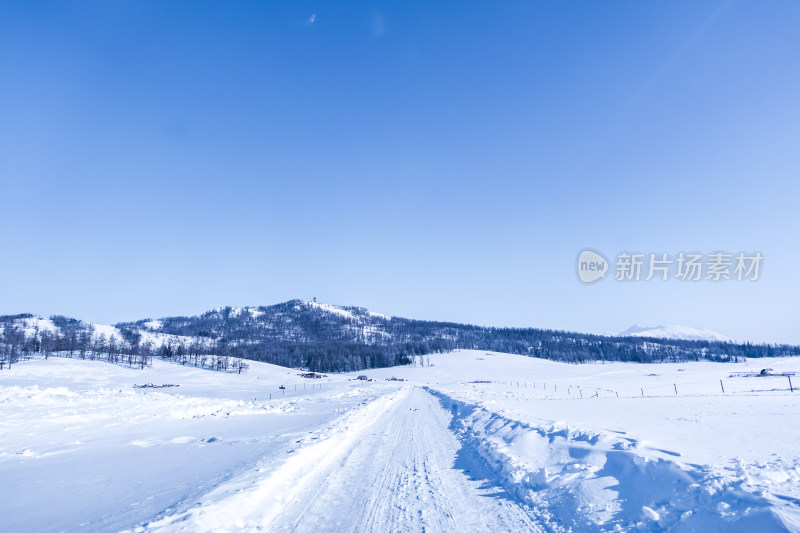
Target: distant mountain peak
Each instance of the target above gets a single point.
(674, 332)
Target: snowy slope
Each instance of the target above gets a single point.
(674, 333)
(105, 455)
(149, 333)
(473, 441)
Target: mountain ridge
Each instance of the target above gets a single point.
(330, 338)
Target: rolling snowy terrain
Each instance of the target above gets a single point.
(470, 441)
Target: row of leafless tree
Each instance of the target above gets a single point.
(19, 344)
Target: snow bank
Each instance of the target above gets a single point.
(596, 481)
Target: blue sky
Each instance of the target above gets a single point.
(441, 161)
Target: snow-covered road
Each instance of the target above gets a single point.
(406, 472)
(393, 465)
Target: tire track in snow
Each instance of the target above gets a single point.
(392, 465)
(250, 501)
(401, 476)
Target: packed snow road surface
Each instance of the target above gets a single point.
(392, 466)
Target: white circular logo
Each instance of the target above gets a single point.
(591, 266)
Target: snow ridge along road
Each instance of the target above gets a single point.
(579, 480)
(391, 465)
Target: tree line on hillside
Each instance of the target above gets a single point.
(76, 339)
(299, 335)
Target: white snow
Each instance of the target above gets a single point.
(32, 325)
(106, 456)
(155, 338)
(386, 466)
(331, 309)
(535, 446)
(344, 312)
(159, 339)
(108, 331)
(674, 332)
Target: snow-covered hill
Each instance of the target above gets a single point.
(330, 338)
(675, 333)
(33, 326)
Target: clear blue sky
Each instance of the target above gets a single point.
(442, 161)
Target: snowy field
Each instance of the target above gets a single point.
(476, 441)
